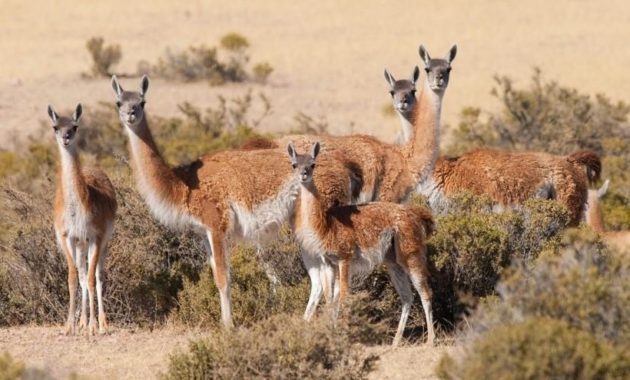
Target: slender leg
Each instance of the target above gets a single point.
(403, 287)
(312, 264)
(69, 249)
(93, 259)
(82, 268)
(102, 318)
(344, 279)
(221, 272)
(419, 278)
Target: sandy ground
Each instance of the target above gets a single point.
(328, 55)
(142, 354)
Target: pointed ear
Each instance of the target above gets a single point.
(315, 150)
(77, 113)
(118, 90)
(415, 75)
(424, 55)
(390, 79)
(451, 54)
(53, 115)
(144, 86)
(603, 190)
(292, 153)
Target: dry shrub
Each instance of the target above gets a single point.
(281, 347)
(261, 72)
(206, 63)
(103, 57)
(473, 246)
(9, 368)
(539, 348)
(562, 316)
(254, 296)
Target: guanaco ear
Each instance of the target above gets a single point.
(292, 153)
(53, 115)
(77, 113)
(144, 86)
(451, 54)
(118, 90)
(390, 79)
(415, 75)
(424, 55)
(315, 150)
(603, 190)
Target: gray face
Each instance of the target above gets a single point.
(130, 103)
(303, 164)
(403, 91)
(438, 70)
(65, 127)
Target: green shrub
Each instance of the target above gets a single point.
(254, 297)
(538, 348)
(234, 42)
(563, 315)
(262, 71)
(103, 57)
(281, 347)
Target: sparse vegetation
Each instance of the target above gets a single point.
(205, 63)
(103, 57)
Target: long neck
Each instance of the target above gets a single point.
(421, 151)
(406, 123)
(72, 180)
(594, 216)
(155, 178)
(312, 211)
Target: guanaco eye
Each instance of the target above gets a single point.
(56, 128)
(391, 93)
(312, 166)
(448, 70)
(118, 104)
(427, 69)
(294, 166)
(413, 92)
(142, 104)
(74, 128)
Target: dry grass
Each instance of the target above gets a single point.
(122, 354)
(330, 62)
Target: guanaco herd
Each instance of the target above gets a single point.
(345, 197)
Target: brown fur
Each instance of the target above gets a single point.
(348, 231)
(96, 196)
(389, 172)
(205, 188)
(510, 178)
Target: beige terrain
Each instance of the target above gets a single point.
(142, 354)
(328, 55)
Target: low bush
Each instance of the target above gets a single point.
(281, 347)
(103, 57)
(206, 63)
(9, 368)
(563, 315)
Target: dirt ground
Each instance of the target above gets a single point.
(142, 354)
(328, 55)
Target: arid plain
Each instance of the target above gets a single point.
(328, 60)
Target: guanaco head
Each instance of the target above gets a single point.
(403, 91)
(303, 164)
(130, 103)
(65, 127)
(438, 70)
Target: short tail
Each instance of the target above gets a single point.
(590, 161)
(258, 143)
(425, 217)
